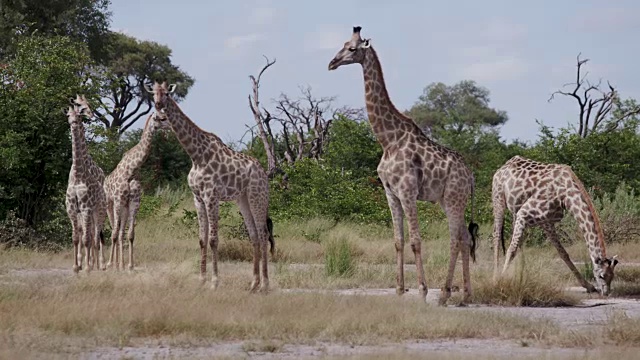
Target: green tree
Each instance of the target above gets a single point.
(34, 133)
(443, 109)
(353, 147)
(129, 63)
(85, 21)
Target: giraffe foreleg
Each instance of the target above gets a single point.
(87, 235)
(411, 212)
(519, 225)
(212, 218)
(203, 224)
(398, 233)
(498, 231)
(550, 232)
(111, 216)
(124, 213)
(134, 206)
(75, 237)
(116, 225)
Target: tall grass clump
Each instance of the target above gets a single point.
(338, 258)
(534, 286)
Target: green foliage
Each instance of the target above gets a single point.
(84, 21)
(34, 132)
(338, 258)
(149, 205)
(353, 147)
(454, 109)
(315, 189)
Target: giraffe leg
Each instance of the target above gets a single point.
(134, 206)
(247, 215)
(212, 217)
(111, 216)
(124, 214)
(77, 255)
(519, 225)
(397, 215)
(498, 231)
(411, 212)
(259, 210)
(203, 223)
(87, 234)
(115, 234)
(550, 231)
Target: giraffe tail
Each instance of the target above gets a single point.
(473, 227)
(272, 242)
(504, 250)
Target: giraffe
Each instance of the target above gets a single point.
(413, 167)
(537, 194)
(219, 173)
(123, 191)
(85, 199)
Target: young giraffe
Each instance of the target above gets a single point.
(413, 167)
(85, 199)
(123, 191)
(221, 174)
(537, 194)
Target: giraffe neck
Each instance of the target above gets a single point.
(588, 220)
(138, 154)
(190, 136)
(79, 152)
(387, 123)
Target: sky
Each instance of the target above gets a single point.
(520, 53)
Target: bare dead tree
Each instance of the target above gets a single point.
(595, 105)
(263, 118)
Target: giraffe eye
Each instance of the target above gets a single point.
(601, 277)
(352, 49)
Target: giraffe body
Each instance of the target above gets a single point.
(123, 191)
(412, 168)
(85, 199)
(537, 194)
(219, 173)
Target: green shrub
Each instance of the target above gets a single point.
(338, 258)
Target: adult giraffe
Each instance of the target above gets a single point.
(219, 173)
(537, 194)
(413, 167)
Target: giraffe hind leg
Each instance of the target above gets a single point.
(249, 222)
(397, 215)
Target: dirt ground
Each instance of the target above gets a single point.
(592, 313)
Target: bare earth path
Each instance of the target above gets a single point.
(591, 314)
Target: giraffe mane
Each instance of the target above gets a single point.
(592, 210)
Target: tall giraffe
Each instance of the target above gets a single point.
(123, 191)
(85, 199)
(413, 167)
(219, 173)
(537, 194)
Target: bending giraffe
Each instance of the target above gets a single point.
(220, 174)
(412, 168)
(85, 199)
(537, 194)
(123, 191)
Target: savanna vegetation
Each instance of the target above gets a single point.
(331, 219)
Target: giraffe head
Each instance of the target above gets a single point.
(82, 105)
(159, 121)
(161, 93)
(74, 117)
(353, 51)
(603, 273)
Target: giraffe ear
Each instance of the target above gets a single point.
(148, 88)
(366, 44)
(172, 88)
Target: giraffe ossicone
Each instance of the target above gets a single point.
(412, 168)
(219, 173)
(537, 194)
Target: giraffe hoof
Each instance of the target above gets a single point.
(76, 268)
(130, 267)
(401, 290)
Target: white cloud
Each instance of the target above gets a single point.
(326, 37)
(240, 41)
(262, 15)
(605, 19)
(497, 69)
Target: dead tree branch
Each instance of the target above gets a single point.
(262, 119)
(595, 105)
